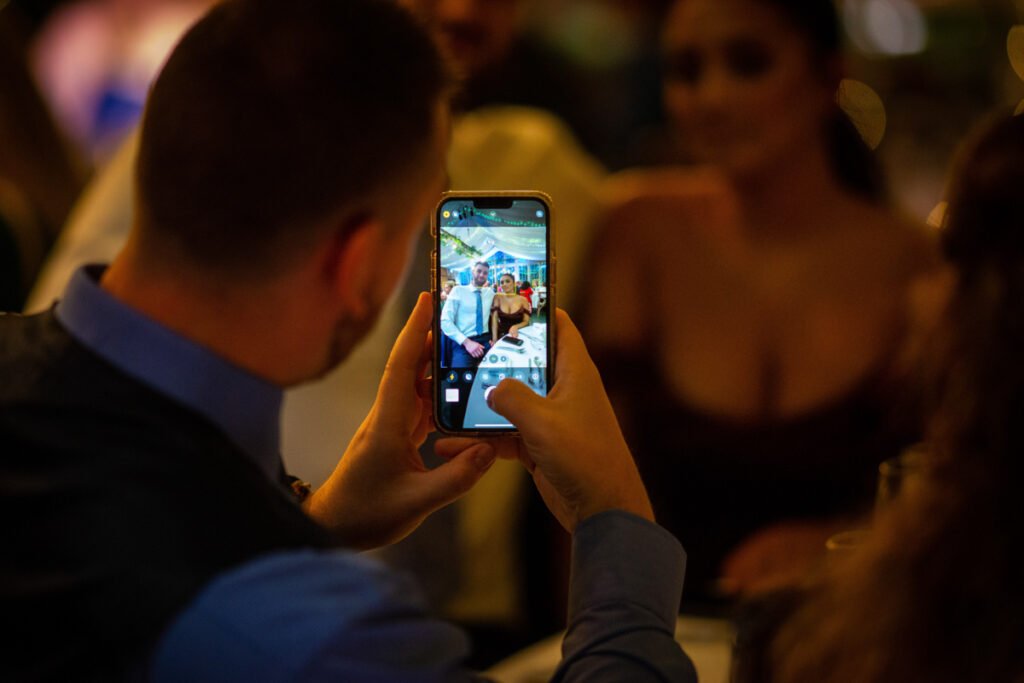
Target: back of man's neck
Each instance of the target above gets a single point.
(202, 313)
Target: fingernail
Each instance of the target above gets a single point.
(483, 457)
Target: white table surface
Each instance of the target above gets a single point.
(526, 362)
(707, 641)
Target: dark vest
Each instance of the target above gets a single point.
(117, 504)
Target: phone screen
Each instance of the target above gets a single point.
(492, 267)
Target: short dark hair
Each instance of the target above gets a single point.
(485, 264)
(270, 117)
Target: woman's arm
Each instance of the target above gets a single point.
(514, 330)
(494, 324)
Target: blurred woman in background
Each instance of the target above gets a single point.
(754, 303)
(936, 593)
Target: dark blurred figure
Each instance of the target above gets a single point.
(750, 310)
(39, 175)
(477, 34)
(35, 12)
(504, 61)
(936, 594)
(497, 62)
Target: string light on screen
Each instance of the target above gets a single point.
(885, 27)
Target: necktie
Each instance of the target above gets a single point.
(479, 313)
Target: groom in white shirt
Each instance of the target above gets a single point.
(466, 316)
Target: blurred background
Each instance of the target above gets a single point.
(935, 64)
(930, 67)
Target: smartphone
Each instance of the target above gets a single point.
(486, 245)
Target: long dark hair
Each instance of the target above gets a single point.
(983, 236)
(853, 161)
(937, 594)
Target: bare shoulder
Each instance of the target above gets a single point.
(658, 226)
(647, 183)
(650, 203)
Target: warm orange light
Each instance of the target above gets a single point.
(865, 108)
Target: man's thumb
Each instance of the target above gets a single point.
(514, 401)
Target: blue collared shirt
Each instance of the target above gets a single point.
(245, 407)
(459, 314)
(338, 616)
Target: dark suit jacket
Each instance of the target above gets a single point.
(118, 505)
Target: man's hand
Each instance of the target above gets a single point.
(381, 491)
(474, 349)
(571, 441)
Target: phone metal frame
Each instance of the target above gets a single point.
(435, 294)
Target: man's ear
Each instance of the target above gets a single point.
(351, 263)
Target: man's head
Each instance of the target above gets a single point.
(280, 132)
(480, 270)
(272, 118)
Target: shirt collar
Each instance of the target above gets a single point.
(247, 408)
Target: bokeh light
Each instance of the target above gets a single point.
(865, 108)
(1015, 49)
(937, 215)
(885, 27)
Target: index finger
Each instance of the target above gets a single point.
(405, 364)
(571, 355)
(406, 359)
(507, 447)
